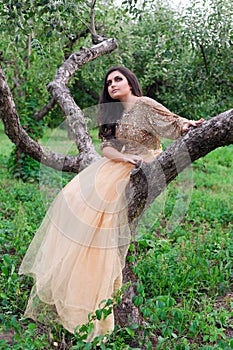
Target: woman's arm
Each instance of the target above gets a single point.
(113, 154)
(165, 123)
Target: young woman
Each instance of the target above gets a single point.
(77, 256)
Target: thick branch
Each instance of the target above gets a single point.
(60, 92)
(78, 59)
(22, 140)
(146, 183)
(152, 178)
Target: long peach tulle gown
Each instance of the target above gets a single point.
(77, 255)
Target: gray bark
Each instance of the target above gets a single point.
(151, 179)
(60, 93)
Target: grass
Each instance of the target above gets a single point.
(182, 259)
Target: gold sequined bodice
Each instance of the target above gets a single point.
(140, 128)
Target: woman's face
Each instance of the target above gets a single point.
(118, 86)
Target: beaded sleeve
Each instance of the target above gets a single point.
(163, 122)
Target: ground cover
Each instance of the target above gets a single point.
(182, 258)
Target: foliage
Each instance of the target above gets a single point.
(184, 287)
(182, 59)
(182, 63)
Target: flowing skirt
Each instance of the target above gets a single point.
(77, 255)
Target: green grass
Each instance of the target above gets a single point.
(182, 258)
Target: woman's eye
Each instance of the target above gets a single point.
(109, 82)
(118, 79)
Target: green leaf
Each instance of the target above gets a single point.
(99, 314)
(130, 331)
(32, 326)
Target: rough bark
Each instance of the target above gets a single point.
(58, 89)
(23, 141)
(76, 120)
(152, 178)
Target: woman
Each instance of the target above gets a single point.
(77, 255)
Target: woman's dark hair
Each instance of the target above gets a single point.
(109, 113)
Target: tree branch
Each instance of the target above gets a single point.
(204, 58)
(93, 31)
(147, 181)
(22, 140)
(38, 115)
(152, 178)
(60, 93)
(96, 38)
(69, 47)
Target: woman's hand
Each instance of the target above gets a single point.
(131, 158)
(192, 123)
(112, 153)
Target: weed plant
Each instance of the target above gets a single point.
(184, 273)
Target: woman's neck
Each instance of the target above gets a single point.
(129, 101)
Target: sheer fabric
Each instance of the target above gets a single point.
(77, 256)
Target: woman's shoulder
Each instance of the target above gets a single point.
(150, 102)
(155, 106)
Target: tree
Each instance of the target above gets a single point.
(147, 181)
(35, 37)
